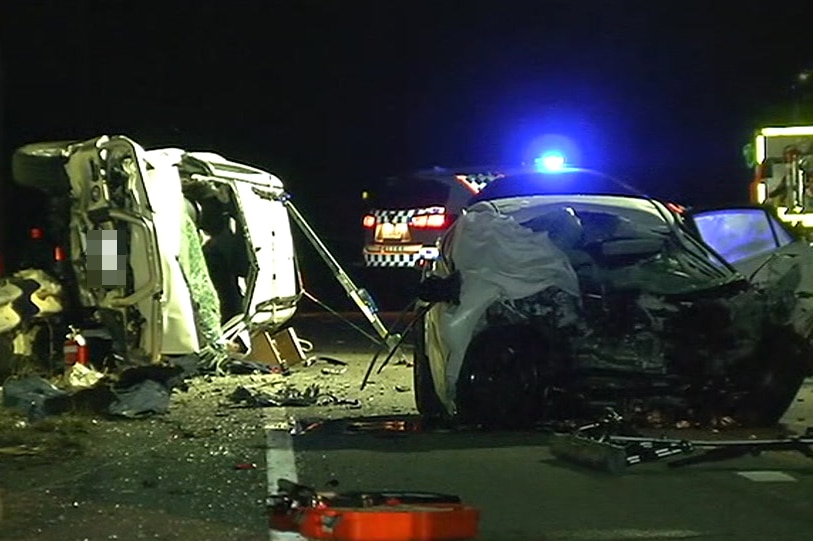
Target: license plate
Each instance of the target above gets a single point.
(388, 231)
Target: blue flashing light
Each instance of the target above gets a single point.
(550, 161)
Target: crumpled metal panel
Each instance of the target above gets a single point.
(29, 293)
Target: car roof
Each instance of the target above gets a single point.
(563, 182)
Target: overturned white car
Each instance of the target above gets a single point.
(153, 253)
(559, 293)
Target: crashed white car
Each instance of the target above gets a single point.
(155, 253)
(557, 295)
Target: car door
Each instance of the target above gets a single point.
(768, 254)
(748, 238)
(270, 287)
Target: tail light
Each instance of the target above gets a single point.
(35, 233)
(677, 209)
(59, 254)
(428, 221)
(368, 222)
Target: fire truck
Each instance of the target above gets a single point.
(782, 158)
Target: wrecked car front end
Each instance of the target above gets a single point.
(568, 303)
(158, 253)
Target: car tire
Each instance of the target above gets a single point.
(42, 166)
(781, 371)
(427, 401)
(500, 383)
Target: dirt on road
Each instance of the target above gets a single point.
(194, 473)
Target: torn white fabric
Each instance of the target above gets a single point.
(497, 259)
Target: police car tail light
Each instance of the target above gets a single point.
(428, 221)
(369, 221)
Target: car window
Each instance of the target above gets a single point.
(783, 236)
(738, 234)
(409, 192)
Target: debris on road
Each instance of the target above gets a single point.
(310, 361)
(384, 426)
(289, 396)
(33, 395)
(612, 445)
(142, 399)
(57, 437)
(80, 376)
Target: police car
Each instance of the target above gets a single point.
(407, 215)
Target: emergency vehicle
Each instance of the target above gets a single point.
(782, 158)
(407, 215)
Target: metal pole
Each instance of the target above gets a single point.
(358, 295)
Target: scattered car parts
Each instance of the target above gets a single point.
(604, 446)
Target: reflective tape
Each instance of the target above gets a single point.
(400, 260)
(402, 216)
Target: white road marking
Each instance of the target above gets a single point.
(620, 534)
(280, 463)
(767, 476)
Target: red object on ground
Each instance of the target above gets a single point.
(75, 353)
(394, 522)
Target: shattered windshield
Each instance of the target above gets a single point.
(603, 225)
(409, 192)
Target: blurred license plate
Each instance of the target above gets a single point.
(392, 231)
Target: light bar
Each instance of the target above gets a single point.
(788, 131)
(476, 182)
(759, 149)
(550, 161)
(762, 192)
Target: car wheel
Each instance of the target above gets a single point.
(6, 357)
(782, 366)
(500, 383)
(426, 399)
(42, 166)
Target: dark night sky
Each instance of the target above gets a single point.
(332, 94)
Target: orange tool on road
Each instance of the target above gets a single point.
(371, 516)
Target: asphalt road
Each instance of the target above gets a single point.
(203, 470)
(523, 492)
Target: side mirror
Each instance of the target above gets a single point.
(632, 247)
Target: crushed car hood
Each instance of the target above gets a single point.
(510, 252)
